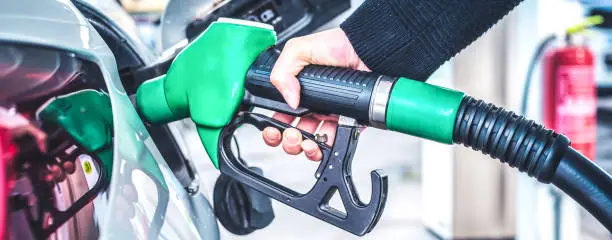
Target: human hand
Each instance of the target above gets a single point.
(329, 48)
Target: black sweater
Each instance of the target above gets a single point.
(412, 38)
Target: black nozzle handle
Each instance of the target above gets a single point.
(324, 89)
(333, 177)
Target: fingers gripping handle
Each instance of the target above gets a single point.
(324, 89)
(333, 177)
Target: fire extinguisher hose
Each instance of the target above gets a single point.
(537, 151)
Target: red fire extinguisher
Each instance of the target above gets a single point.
(570, 97)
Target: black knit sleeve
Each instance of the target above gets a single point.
(412, 38)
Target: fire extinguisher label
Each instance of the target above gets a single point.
(576, 105)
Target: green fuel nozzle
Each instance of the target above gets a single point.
(206, 79)
(230, 64)
(206, 82)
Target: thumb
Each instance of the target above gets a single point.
(294, 57)
(289, 86)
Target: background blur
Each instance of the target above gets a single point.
(436, 191)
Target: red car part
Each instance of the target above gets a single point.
(7, 152)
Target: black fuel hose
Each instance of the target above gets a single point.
(576, 175)
(586, 183)
(537, 151)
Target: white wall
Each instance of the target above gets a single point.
(530, 23)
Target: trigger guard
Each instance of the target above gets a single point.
(333, 174)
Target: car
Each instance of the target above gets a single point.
(90, 167)
(60, 74)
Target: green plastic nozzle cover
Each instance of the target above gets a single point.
(423, 110)
(206, 79)
(87, 116)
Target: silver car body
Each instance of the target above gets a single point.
(59, 25)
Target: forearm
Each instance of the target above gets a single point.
(412, 38)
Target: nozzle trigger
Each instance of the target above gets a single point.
(333, 175)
